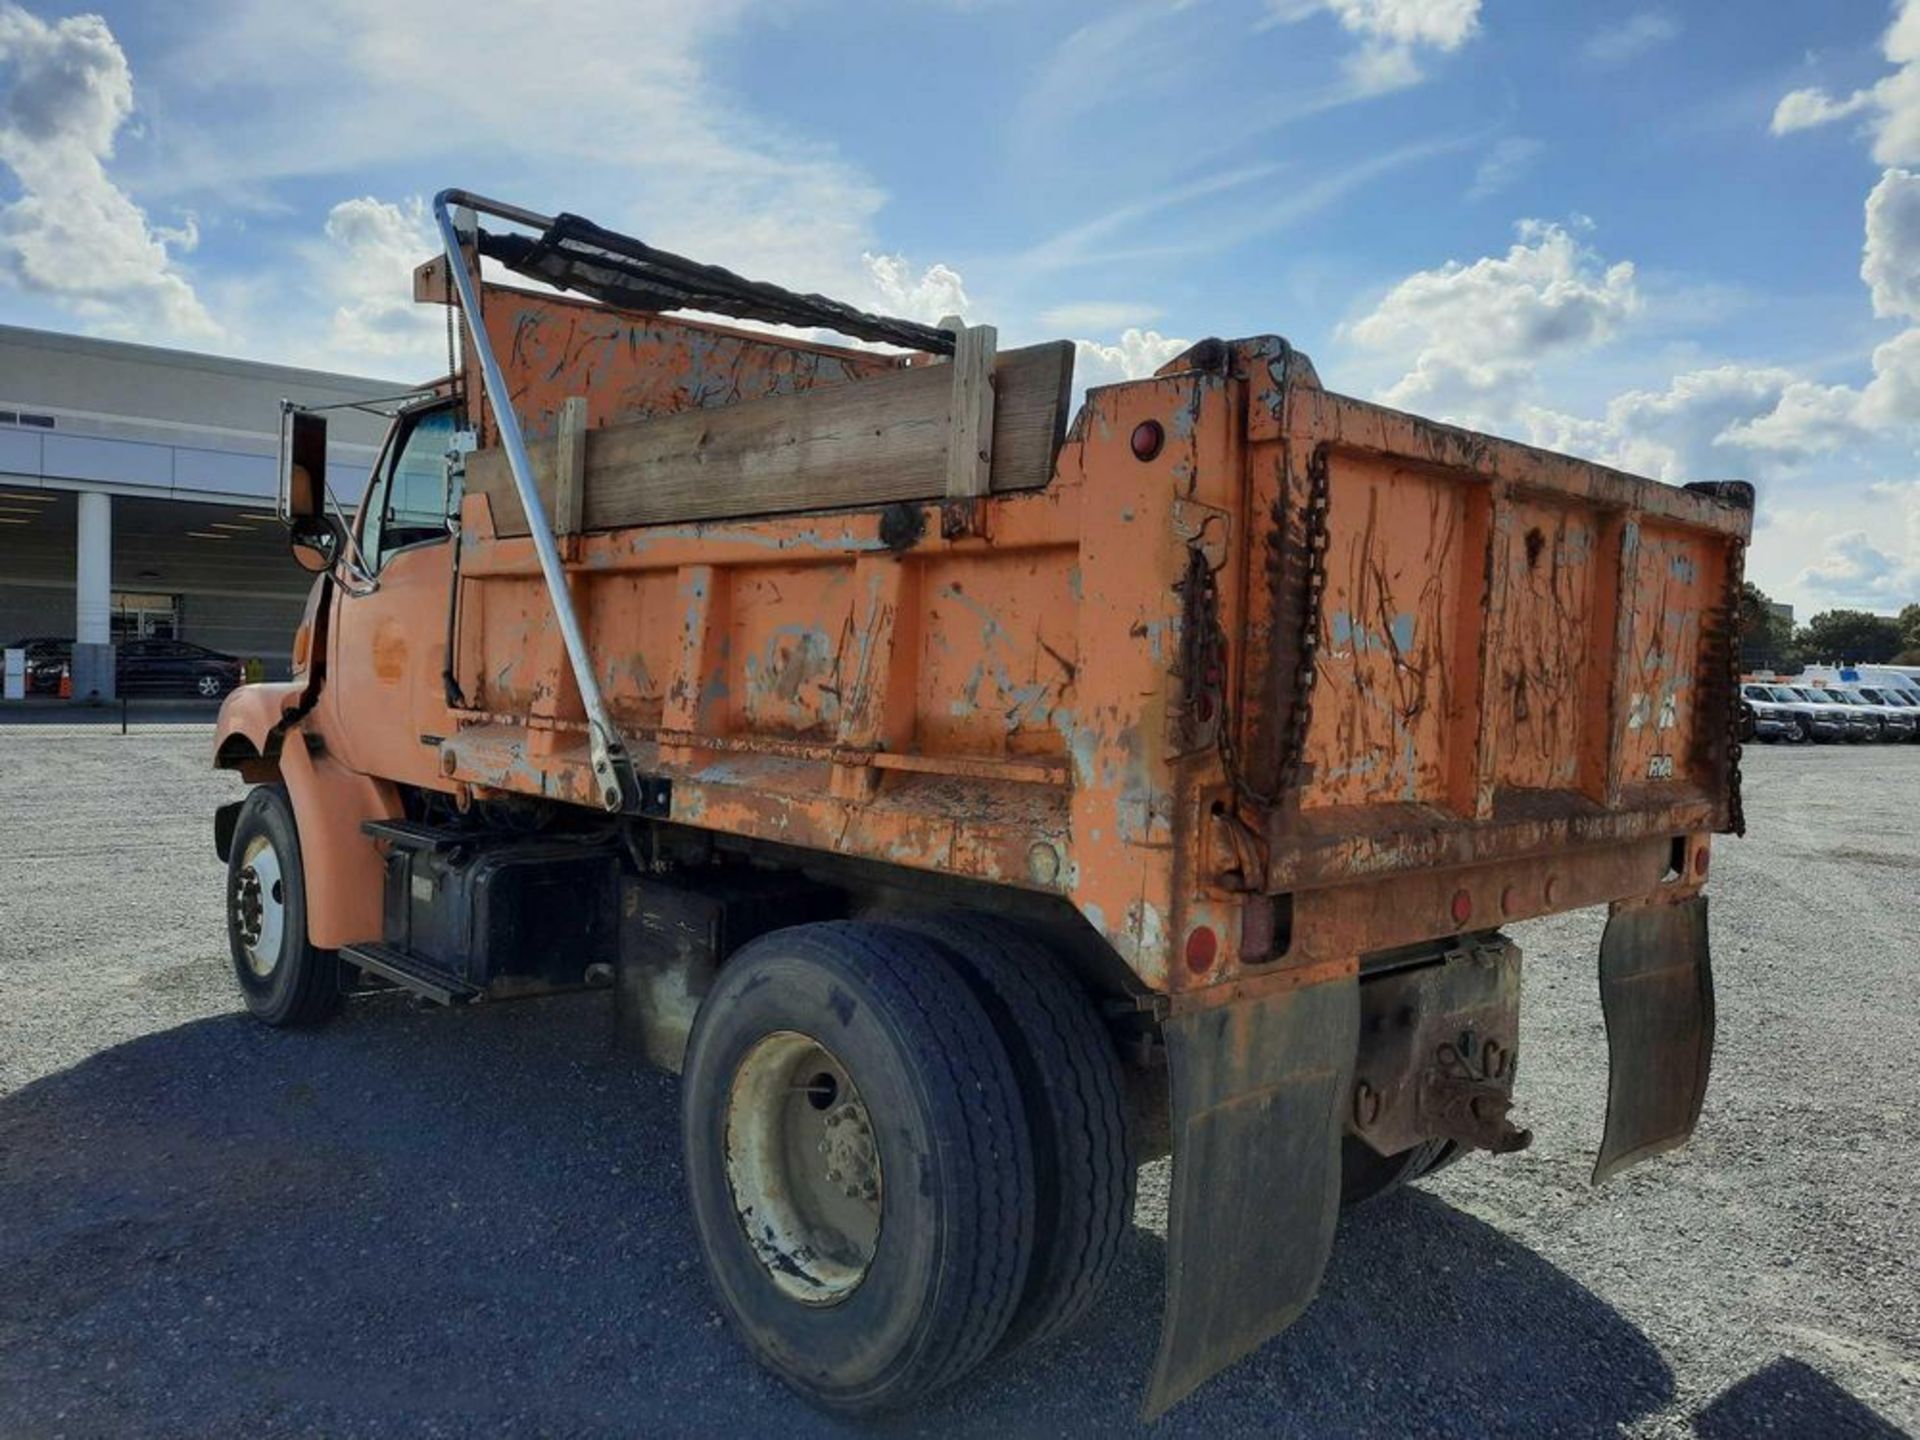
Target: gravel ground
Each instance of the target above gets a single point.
(438, 1223)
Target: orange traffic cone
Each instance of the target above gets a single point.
(66, 682)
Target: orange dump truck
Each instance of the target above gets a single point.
(972, 803)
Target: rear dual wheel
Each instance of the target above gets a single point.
(879, 1181)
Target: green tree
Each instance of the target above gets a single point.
(1839, 637)
(1766, 637)
(1910, 626)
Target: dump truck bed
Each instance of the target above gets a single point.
(1304, 646)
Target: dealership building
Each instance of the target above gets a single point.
(137, 491)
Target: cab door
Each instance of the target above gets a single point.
(383, 706)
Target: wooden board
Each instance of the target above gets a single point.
(865, 442)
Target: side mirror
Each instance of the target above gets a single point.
(316, 541)
(306, 467)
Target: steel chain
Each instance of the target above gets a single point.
(1736, 575)
(1306, 668)
(1300, 714)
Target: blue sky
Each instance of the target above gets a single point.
(1680, 237)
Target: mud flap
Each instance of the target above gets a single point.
(1260, 1088)
(1656, 988)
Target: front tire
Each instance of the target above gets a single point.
(858, 1163)
(284, 980)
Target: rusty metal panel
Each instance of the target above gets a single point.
(634, 367)
(1674, 583)
(790, 637)
(1405, 556)
(1549, 641)
(998, 655)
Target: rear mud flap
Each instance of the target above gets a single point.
(1260, 1088)
(1656, 988)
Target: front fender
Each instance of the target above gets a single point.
(262, 733)
(246, 735)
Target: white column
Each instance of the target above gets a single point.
(93, 570)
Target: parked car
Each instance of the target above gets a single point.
(174, 667)
(1774, 719)
(1859, 724)
(1897, 700)
(1889, 722)
(141, 667)
(1824, 722)
(1896, 720)
(47, 655)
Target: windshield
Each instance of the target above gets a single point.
(1782, 692)
(1813, 695)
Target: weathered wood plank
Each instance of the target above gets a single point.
(865, 442)
(970, 443)
(570, 488)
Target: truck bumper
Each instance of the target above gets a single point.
(1264, 1087)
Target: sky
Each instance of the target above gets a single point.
(1681, 237)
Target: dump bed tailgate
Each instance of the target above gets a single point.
(1482, 651)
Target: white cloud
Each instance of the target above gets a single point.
(1391, 33)
(1854, 570)
(1893, 103)
(1502, 165)
(73, 234)
(633, 129)
(1804, 109)
(1891, 262)
(366, 268)
(1473, 334)
(1630, 38)
(929, 297)
(1137, 354)
(1677, 434)
(1444, 24)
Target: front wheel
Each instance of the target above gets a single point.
(209, 687)
(284, 979)
(1799, 734)
(858, 1163)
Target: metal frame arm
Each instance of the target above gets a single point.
(612, 769)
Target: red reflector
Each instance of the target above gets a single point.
(1202, 946)
(1700, 863)
(1462, 907)
(1148, 437)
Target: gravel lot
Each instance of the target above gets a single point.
(470, 1222)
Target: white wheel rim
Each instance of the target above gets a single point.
(803, 1165)
(259, 905)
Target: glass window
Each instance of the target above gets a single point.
(412, 502)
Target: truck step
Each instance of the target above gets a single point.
(409, 973)
(415, 835)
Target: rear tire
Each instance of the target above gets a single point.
(858, 1313)
(285, 980)
(1076, 1111)
(1367, 1175)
